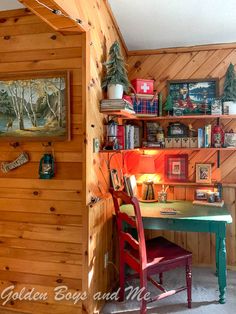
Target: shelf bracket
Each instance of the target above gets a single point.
(218, 158)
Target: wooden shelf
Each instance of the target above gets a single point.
(118, 150)
(190, 148)
(130, 116)
(120, 113)
(170, 149)
(186, 117)
(181, 183)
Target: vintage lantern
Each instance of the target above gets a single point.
(46, 167)
(112, 141)
(217, 136)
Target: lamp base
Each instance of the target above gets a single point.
(147, 201)
(148, 191)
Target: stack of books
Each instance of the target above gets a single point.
(126, 136)
(130, 185)
(204, 136)
(108, 105)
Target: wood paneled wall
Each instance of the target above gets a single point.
(41, 222)
(101, 33)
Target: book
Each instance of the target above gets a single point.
(200, 138)
(121, 136)
(168, 211)
(130, 185)
(115, 104)
(137, 140)
(207, 136)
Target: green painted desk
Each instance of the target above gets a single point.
(192, 218)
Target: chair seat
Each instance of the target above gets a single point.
(162, 251)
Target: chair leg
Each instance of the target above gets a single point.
(143, 286)
(122, 281)
(189, 284)
(161, 278)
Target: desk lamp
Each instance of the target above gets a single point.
(147, 166)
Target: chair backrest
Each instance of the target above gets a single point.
(125, 235)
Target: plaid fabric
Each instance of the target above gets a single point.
(176, 169)
(144, 106)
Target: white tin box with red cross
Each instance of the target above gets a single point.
(143, 86)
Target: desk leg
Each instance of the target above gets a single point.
(217, 256)
(222, 263)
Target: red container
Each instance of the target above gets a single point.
(143, 86)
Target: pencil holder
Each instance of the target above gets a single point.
(162, 197)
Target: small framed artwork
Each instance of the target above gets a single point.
(230, 139)
(115, 179)
(35, 106)
(203, 173)
(176, 167)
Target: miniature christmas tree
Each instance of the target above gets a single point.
(230, 85)
(169, 104)
(115, 67)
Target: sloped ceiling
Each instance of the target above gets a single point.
(10, 5)
(154, 24)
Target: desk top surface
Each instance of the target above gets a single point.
(184, 210)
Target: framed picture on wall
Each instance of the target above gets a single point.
(193, 96)
(203, 173)
(176, 167)
(35, 106)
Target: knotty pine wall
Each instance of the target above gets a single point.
(102, 32)
(41, 221)
(195, 63)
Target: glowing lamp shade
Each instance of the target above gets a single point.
(146, 164)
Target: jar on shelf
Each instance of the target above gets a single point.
(160, 136)
(217, 136)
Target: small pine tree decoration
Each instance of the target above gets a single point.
(169, 104)
(230, 85)
(115, 67)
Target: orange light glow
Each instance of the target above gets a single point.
(149, 177)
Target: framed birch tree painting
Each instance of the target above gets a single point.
(35, 106)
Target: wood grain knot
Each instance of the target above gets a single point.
(137, 64)
(52, 209)
(3, 21)
(7, 268)
(36, 193)
(59, 280)
(53, 37)
(7, 37)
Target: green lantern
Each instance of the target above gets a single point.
(46, 167)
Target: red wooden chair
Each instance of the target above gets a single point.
(149, 257)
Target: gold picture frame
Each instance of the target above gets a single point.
(203, 173)
(35, 106)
